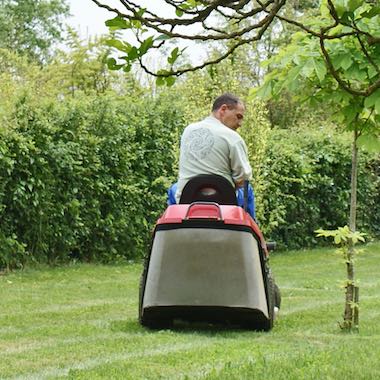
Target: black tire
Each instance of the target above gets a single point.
(277, 296)
(268, 324)
(142, 289)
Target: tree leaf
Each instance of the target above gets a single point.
(372, 72)
(133, 53)
(118, 23)
(136, 24)
(141, 12)
(294, 74)
(346, 62)
(308, 68)
(377, 104)
(265, 91)
(353, 5)
(160, 81)
(320, 69)
(337, 59)
(170, 81)
(371, 100)
(372, 12)
(173, 56)
(118, 45)
(194, 3)
(127, 68)
(178, 12)
(349, 113)
(340, 7)
(146, 45)
(162, 37)
(369, 142)
(112, 65)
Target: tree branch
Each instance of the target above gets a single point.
(200, 15)
(229, 52)
(156, 22)
(313, 32)
(344, 84)
(365, 52)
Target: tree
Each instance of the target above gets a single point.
(32, 27)
(82, 68)
(335, 63)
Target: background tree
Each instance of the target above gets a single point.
(81, 67)
(32, 27)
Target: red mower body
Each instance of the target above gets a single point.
(222, 214)
(208, 263)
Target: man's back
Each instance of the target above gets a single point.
(210, 147)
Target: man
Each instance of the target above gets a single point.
(212, 146)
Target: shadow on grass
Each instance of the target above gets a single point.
(126, 326)
(209, 328)
(183, 327)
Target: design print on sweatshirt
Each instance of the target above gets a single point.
(198, 144)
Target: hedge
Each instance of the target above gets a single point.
(307, 186)
(85, 179)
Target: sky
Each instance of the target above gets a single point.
(88, 19)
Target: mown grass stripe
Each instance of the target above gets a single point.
(26, 346)
(99, 361)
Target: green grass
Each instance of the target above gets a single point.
(80, 322)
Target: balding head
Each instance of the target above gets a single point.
(229, 110)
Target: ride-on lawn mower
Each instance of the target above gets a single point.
(208, 262)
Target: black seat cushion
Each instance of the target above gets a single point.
(209, 188)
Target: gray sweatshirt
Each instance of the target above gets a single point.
(210, 147)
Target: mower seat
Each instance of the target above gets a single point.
(209, 188)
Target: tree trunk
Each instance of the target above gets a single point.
(354, 181)
(351, 313)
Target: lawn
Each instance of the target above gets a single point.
(80, 322)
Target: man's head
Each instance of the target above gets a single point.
(229, 110)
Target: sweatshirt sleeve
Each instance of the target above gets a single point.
(241, 169)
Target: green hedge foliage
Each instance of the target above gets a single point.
(307, 186)
(86, 179)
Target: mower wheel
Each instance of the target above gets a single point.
(267, 326)
(142, 288)
(277, 296)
